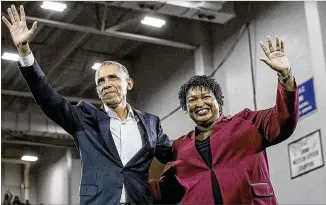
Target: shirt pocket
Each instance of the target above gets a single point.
(261, 190)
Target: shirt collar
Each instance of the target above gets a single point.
(111, 113)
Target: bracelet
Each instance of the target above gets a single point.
(285, 78)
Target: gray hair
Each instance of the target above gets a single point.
(122, 68)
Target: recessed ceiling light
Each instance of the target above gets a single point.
(55, 6)
(29, 158)
(10, 56)
(153, 22)
(96, 66)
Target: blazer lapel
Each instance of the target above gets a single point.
(104, 125)
(145, 135)
(144, 123)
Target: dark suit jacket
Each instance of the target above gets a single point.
(102, 171)
(239, 158)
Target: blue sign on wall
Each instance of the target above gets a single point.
(307, 102)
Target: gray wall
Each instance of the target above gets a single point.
(52, 179)
(75, 181)
(164, 70)
(322, 15)
(52, 183)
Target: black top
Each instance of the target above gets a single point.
(204, 149)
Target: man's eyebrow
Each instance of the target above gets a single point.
(110, 75)
(100, 78)
(116, 75)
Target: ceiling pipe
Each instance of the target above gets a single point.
(21, 142)
(27, 168)
(110, 33)
(29, 95)
(13, 161)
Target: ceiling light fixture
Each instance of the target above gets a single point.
(29, 158)
(10, 56)
(55, 6)
(96, 66)
(153, 22)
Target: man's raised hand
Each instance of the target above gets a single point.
(20, 34)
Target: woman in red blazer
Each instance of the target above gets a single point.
(223, 161)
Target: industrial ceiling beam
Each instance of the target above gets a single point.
(13, 161)
(41, 144)
(39, 29)
(117, 34)
(66, 53)
(210, 11)
(70, 48)
(216, 5)
(124, 24)
(78, 9)
(104, 18)
(29, 95)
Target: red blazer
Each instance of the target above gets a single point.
(239, 158)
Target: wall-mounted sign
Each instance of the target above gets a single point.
(305, 154)
(307, 102)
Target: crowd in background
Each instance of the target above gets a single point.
(16, 201)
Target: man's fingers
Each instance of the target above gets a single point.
(6, 22)
(282, 46)
(22, 13)
(11, 16)
(32, 30)
(270, 44)
(278, 48)
(264, 48)
(15, 13)
(34, 26)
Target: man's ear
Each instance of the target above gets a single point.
(130, 83)
(97, 92)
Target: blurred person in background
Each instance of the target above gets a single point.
(7, 198)
(16, 201)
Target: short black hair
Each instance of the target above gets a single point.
(204, 82)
